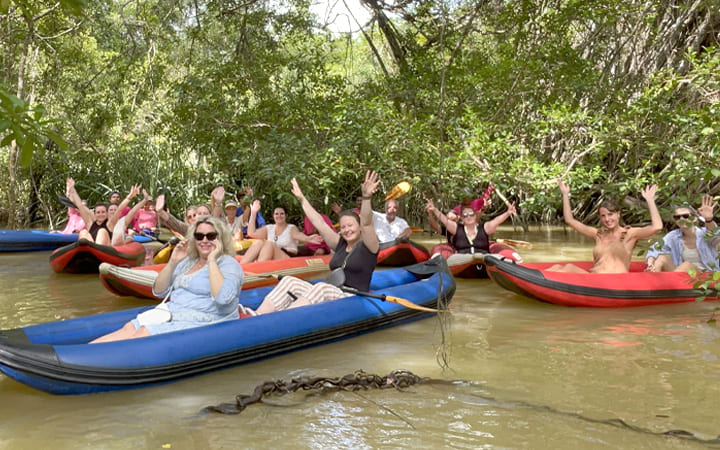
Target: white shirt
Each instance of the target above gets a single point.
(388, 231)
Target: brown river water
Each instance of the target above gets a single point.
(529, 375)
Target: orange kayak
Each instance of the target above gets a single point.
(137, 282)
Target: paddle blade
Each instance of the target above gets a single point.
(514, 243)
(66, 201)
(398, 191)
(409, 304)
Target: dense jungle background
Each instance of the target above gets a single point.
(182, 96)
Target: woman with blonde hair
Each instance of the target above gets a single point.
(202, 278)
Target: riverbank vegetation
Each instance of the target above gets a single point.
(451, 96)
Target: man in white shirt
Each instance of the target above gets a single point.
(388, 226)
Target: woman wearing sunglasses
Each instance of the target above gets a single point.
(614, 241)
(470, 235)
(203, 279)
(690, 245)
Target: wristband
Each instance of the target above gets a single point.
(367, 198)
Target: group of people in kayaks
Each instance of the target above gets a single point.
(204, 277)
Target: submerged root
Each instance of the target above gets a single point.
(397, 379)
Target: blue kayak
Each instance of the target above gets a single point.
(55, 357)
(39, 240)
(33, 240)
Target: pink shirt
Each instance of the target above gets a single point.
(145, 219)
(309, 229)
(75, 223)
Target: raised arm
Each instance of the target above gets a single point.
(134, 191)
(434, 224)
(330, 237)
(216, 199)
(656, 221)
(87, 215)
(138, 206)
(369, 187)
(253, 231)
(450, 226)
(575, 224)
(492, 225)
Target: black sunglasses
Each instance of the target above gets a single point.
(468, 214)
(211, 236)
(681, 216)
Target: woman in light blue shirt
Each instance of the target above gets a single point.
(689, 246)
(203, 279)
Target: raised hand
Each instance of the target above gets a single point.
(649, 192)
(180, 251)
(134, 190)
(296, 191)
(160, 203)
(511, 208)
(564, 187)
(371, 183)
(218, 194)
(707, 209)
(430, 205)
(146, 196)
(255, 206)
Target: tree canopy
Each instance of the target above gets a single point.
(449, 95)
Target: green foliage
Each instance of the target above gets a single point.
(181, 97)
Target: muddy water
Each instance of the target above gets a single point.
(529, 375)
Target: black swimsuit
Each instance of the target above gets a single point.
(94, 228)
(359, 267)
(481, 243)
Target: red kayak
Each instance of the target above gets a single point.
(598, 290)
(84, 256)
(467, 265)
(138, 282)
(401, 252)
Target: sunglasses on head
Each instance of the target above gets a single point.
(681, 216)
(211, 236)
(468, 214)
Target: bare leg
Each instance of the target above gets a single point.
(270, 251)
(85, 234)
(251, 255)
(118, 237)
(128, 331)
(663, 263)
(686, 267)
(103, 238)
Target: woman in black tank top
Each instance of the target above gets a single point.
(356, 248)
(471, 236)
